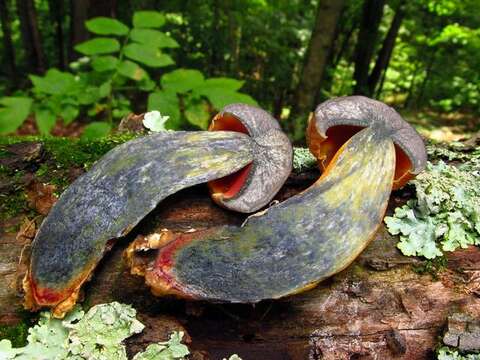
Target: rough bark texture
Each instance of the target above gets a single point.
(367, 40)
(377, 308)
(318, 51)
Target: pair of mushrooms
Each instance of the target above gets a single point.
(363, 147)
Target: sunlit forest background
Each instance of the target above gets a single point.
(78, 67)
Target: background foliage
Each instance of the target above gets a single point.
(93, 62)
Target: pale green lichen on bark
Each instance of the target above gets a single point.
(448, 353)
(445, 215)
(95, 335)
(303, 159)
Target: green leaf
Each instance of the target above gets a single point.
(182, 80)
(197, 113)
(220, 97)
(220, 83)
(46, 120)
(54, 82)
(98, 46)
(69, 113)
(166, 103)
(89, 95)
(146, 84)
(95, 130)
(106, 26)
(13, 112)
(132, 70)
(147, 55)
(104, 63)
(153, 38)
(105, 89)
(148, 19)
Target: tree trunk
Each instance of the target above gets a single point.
(57, 12)
(78, 31)
(31, 35)
(385, 53)
(367, 40)
(106, 8)
(319, 47)
(380, 307)
(9, 51)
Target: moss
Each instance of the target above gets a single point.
(13, 204)
(18, 333)
(63, 154)
(71, 152)
(432, 267)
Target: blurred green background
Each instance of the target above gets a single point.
(77, 67)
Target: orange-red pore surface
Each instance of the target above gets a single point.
(230, 185)
(324, 149)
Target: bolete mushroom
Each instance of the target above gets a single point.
(256, 184)
(336, 120)
(127, 183)
(308, 237)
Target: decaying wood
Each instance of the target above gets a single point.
(378, 308)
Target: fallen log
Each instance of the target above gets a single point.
(382, 306)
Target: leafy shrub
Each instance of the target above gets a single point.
(119, 60)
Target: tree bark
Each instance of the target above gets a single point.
(385, 53)
(367, 40)
(9, 51)
(378, 308)
(319, 48)
(31, 35)
(78, 31)
(57, 12)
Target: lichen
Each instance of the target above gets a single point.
(448, 353)
(303, 159)
(444, 216)
(97, 334)
(168, 350)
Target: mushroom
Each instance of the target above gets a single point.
(308, 237)
(255, 185)
(336, 120)
(128, 182)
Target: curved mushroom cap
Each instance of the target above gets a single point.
(336, 120)
(254, 186)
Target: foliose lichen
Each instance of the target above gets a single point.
(97, 334)
(303, 159)
(448, 353)
(445, 215)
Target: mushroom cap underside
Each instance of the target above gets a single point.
(337, 120)
(254, 186)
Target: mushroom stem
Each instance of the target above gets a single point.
(296, 243)
(110, 199)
